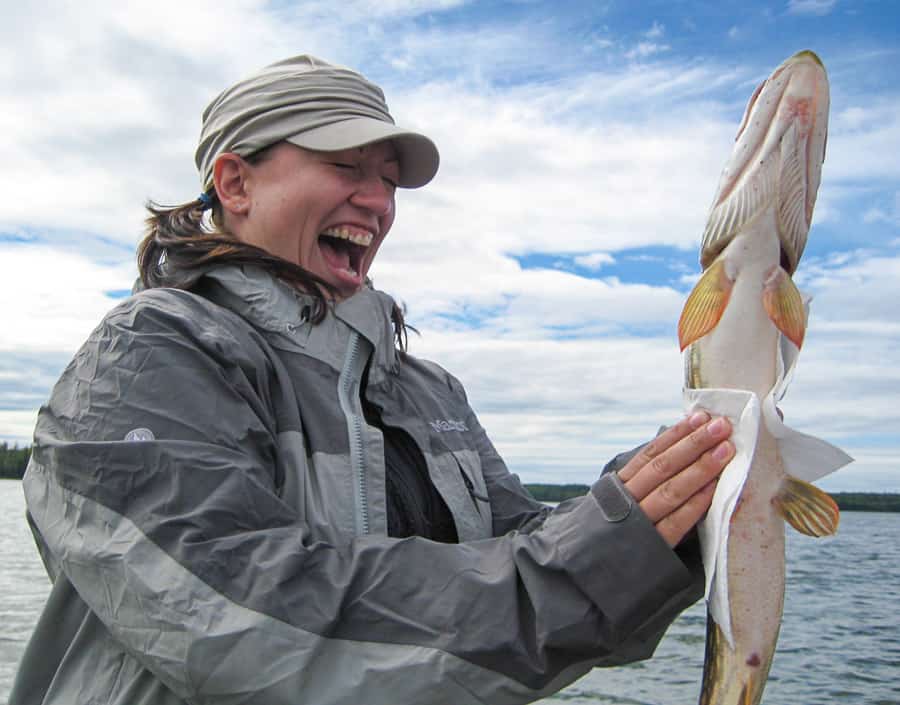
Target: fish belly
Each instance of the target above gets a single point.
(740, 353)
(736, 674)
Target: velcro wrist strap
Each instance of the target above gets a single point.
(614, 500)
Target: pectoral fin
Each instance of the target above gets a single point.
(784, 305)
(807, 508)
(705, 305)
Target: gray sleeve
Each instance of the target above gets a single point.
(629, 538)
(181, 545)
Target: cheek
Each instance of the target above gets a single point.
(386, 221)
(307, 249)
(294, 233)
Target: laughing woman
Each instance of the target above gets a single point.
(237, 488)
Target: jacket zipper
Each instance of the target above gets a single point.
(473, 495)
(348, 395)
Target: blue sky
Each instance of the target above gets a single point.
(547, 263)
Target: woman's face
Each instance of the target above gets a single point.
(326, 211)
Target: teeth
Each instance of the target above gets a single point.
(357, 237)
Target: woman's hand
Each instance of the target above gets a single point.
(674, 476)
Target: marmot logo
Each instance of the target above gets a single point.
(441, 426)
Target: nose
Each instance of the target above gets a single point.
(374, 194)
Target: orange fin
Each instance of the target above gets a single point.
(784, 305)
(705, 305)
(807, 508)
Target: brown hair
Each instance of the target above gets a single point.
(181, 242)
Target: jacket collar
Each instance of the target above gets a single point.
(275, 306)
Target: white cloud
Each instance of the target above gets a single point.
(643, 50)
(877, 215)
(594, 260)
(59, 296)
(554, 167)
(656, 31)
(811, 7)
(862, 142)
(17, 427)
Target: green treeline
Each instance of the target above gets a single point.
(13, 461)
(555, 493)
(867, 501)
(847, 501)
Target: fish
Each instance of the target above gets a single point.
(741, 310)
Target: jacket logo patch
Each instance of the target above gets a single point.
(448, 425)
(140, 434)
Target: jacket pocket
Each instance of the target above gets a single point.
(478, 518)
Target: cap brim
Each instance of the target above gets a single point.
(419, 158)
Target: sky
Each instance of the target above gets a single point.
(547, 263)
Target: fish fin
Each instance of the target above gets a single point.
(705, 305)
(751, 189)
(807, 508)
(793, 216)
(714, 663)
(784, 305)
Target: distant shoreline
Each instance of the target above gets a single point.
(846, 501)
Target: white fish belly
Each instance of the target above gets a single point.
(756, 571)
(740, 353)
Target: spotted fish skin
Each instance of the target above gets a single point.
(731, 327)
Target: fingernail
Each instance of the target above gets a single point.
(698, 419)
(722, 451)
(717, 427)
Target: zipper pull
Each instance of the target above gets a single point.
(470, 487)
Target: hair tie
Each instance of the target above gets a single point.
(206, 200)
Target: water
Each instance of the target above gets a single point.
(840, 639)
(23, 583)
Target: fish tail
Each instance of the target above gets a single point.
(730, 678)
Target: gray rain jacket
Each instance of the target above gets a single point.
(210, 506)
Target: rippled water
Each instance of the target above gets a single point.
(840, 639)
(23, 583)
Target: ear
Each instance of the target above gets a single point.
(230, 179)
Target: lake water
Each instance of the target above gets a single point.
(840, 639)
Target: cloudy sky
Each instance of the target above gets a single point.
(547, 263)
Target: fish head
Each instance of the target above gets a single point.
(776, 160)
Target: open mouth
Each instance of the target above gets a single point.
(343, 249)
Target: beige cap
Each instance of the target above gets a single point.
(314, 105)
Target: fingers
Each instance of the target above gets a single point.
(674, 477)
(662, 442)
(672, 452)
(674, 493)
(675, 526)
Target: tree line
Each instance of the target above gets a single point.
(846, 501)
(14, 460)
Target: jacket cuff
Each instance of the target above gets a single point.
(619, 560)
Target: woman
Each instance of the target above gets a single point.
(246, 491)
